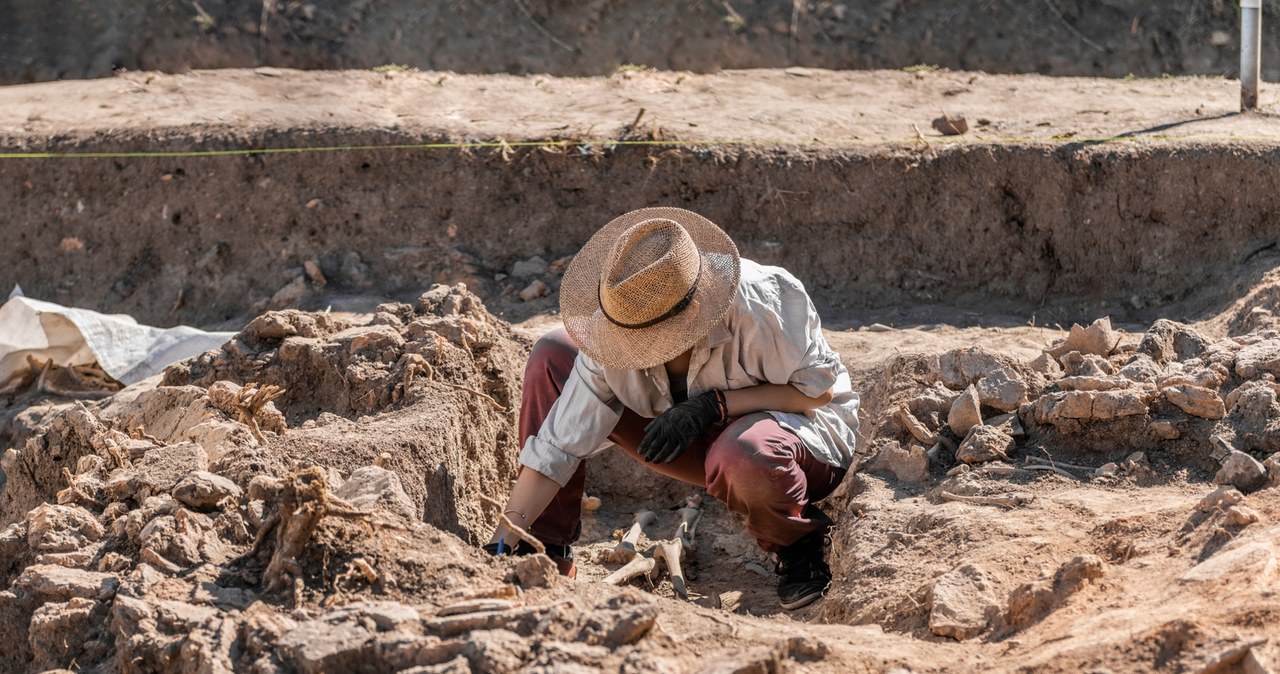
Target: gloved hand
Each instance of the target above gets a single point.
(668, 436)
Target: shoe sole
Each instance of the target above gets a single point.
(801, 602)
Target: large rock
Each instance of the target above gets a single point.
(61, 528)
(157, 472)
(966, 412)
(1063, 406)
(1258, 358)
(59, 583)
(1002, 389)
(1098, 339)
(1168, 341)
(964, 602)
(984, 443)
(1197, 401)
(372, 487)
(959, 368)
(908, 464)
(203, 490)
(1241, 471)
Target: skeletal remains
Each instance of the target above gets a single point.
(671, 551)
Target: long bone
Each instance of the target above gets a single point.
(672, 552)
(639, 565)
(625, 550)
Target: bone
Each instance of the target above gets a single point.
(626, 548)
(590, 503)
(688, 527)
(670, 553)
(638, 566)
(1007, 501)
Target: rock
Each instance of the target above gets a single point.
(1002, 389)
(533, 291)
(1106, 382)
(381, 343)
(1241, 516)
(984, 443)
(157, 472)
(1056, 408)
(290, 294)
(58, 630)
(1165, 430)
(1046, 365)
(1032, 601)
(1241, 471)
(534, 266)
(354, 272)
(1108, 469)
(1255, 359)
(620, 621)
(1272, 464)
(495, 650)
(1076, 364)
(1009, 424)
(1252, 401)
(963, 602)
(933, 403)
(536, 571)
(1077, 570)
(1168, 341)
(959, 368)
(61, 528)
(1098, 339)
(950, 125)
(1196, 401)
(908, 464)
(386, 615)
(59, 583)
(203, 490)
(372, 487)
(318, 647)
(965, 413)
(1141, 369)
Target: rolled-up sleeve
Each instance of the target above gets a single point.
(577, 425)
(785, 341)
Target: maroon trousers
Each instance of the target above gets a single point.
(759, 469)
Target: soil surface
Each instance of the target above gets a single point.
(1027, 498)
(88, 38)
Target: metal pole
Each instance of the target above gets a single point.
(1250, 52)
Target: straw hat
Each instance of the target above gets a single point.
(647, 286)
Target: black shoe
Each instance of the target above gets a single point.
(805, 575)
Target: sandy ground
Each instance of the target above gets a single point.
(795, 106)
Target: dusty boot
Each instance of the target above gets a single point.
(805, 575)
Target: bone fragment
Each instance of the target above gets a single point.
(590, 503)
(911, 424)
(638, 566)
(1036, 466)
(1006, 501)
(626, 548)
(688, 527)
(670, 553)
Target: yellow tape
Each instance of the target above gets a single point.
(609, 144)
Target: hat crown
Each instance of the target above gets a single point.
(649, 273)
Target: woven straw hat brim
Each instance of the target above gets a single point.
(641, 348)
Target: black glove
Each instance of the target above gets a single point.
(666, 437)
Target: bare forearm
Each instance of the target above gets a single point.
(772, 397)
(529, 497)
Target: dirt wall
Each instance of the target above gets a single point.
(88, 38)
(1135, 231)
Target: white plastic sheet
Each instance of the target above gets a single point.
(127, 351)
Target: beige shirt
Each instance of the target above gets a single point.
(771, 334)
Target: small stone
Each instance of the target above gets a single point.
(312, 269)
(1165, 430)
(203, 490)
(1046, 365)
(1098, 339)
(907, 464)
(533, 291)
(984, 443)
(1241, 516)
(1220, 499)
(1076, 364)
(963, 602)
(534, 266)
(1168, 341)
(372, 487)
(536, 571)
(965, 413)
(1009, 424)
(288, 295)
(1002, 389)
(1109, 469)
(1241, 471)
(951, 125)
(1196, 401)
(1141, 369)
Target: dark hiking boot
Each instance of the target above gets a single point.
(805, 575)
